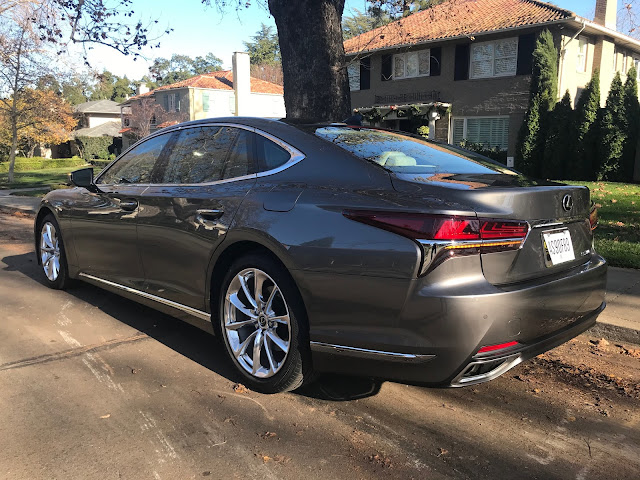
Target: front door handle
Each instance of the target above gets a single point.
(128, 205)
(207, 218)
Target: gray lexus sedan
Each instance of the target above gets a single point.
(332, 248)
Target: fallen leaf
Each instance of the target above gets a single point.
(268, 434)
(443, 451)
(240, 388)
(613, 200)
(106, 416)
(536, 390)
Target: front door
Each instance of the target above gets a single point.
(184, 217)
(104, 222)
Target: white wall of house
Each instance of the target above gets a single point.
(221, 103)
(95, 119)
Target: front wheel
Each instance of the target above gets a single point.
(263, 325)
(52, 254)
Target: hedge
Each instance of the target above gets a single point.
(24, 164)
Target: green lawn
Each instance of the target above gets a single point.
(618, 233)
(37, 178)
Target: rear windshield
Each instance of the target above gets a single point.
(407, 154)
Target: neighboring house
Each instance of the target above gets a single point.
(474, 57)
(98, 118)
(208, 95)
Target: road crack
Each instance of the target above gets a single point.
(73, 352)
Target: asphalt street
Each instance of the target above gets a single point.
(93, 386)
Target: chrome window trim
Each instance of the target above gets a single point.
(191, 311)
(370, 354)
(295, 157)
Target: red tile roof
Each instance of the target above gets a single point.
(167, 123)
(221, 80)
(457, 18)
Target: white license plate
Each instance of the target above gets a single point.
(558, 246)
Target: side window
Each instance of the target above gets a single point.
(136, 166)
(208, 154)
(270, 154)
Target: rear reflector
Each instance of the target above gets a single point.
(500, 346)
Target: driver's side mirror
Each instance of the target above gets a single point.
(83, 178)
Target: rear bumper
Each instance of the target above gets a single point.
(435, 337)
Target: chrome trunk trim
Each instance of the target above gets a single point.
(507, 363)
(191, 311)
(368, 354)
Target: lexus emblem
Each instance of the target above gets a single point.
(567, 202)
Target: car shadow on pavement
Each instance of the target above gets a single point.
(186, 339)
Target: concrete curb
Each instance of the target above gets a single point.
(615, 332)
(22, 204)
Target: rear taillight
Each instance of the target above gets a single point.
(593, 217)
(449, 235)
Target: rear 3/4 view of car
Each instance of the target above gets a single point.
(367, 252)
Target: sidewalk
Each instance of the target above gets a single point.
(25, 204)
(619, 322)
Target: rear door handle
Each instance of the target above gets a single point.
(207, 218)
(128, 205)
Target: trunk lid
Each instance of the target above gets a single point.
(514, 197)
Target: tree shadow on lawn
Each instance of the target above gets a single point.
(186, 339)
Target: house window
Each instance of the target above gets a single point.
(171, 99)
(205, 102)
(411, 64)
(636, 64)
(583, 44)
(489, 131)
(494, 59)
(615, 58)
(353, 70)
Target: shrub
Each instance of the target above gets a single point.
(557, 149)
(612, 132)
(24, 164)
(632, 114)
(583, 132)
(94, 147)
(494, 153)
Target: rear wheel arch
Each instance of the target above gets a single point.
(221, 263)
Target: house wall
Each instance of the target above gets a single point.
(496, 96)
(222, 104)
(95, 119)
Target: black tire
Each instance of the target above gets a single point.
(296, 367)
(61, 280)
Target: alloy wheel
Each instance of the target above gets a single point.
(256, 323)
(50, 251)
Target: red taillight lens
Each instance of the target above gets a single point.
(494, 229)
(437, 227)
(500, 346)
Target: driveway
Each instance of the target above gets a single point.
(94, 386)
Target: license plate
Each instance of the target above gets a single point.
(558, 247)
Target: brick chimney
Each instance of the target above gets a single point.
(241, 82)
(606, 13)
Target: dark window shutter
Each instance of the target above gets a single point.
(526, 44)
(365, 73)
(386, 71)
(461, 67)
(435, 63)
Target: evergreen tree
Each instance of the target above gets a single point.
(611, 133)
(530, 147)
(264, 48)
(545, 70)
(581, 164)
(557, 150)
(528, 138)
(632, 114)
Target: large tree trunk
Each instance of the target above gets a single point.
(316, 85)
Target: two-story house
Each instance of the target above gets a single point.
(474, 57)
(214, 94)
